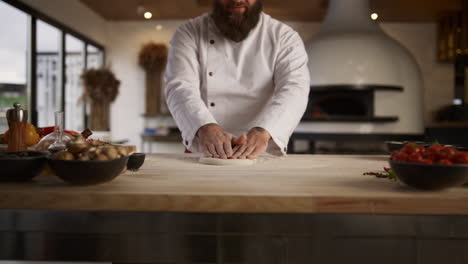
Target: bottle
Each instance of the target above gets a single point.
(17, 118)
(58, 144)
(55, 141)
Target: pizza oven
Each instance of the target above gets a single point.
(362, 80)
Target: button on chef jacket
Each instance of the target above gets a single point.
(262, 81)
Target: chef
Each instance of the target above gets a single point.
(237, 81)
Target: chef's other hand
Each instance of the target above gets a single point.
(238, 142)
(257, 143)
(214, 142)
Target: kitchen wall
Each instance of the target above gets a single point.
(123, 41)
(126, 40)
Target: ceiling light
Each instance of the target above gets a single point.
(148, 15)
(159, 27)
(374, 16)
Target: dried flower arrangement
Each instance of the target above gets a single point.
(101, 87)
(153, 56)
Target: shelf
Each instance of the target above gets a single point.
(380, 119)
(351, 87)
(156, 116)
(161, 138)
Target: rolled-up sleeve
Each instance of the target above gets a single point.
(292, 84)
(182, 85)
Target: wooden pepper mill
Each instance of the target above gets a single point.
(17, 118)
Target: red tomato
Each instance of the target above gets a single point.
(444, 162)
(415, 157)
(435, 154)
(435, 147)
(430, 155)
(426, 161)
(400, 156)
(420, 149)
(446, 153)
(410, 148)
(461, 158)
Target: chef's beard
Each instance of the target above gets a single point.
(233, 26)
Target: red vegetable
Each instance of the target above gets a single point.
(444, 162)
(461, 158)
(44, 131)
(435, 154)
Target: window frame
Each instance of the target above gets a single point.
(32, 61)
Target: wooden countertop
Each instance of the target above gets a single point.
(296, 184)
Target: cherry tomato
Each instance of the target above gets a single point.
(415, 157)
(400, 156)
(461, 158)
(410, 148)
(435, 147)
(430, 155)
(446, 153)
(426, 161)
(444, 162)
(420, 149)
(435, 154)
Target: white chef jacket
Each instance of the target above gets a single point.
(262, 81)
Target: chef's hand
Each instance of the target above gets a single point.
(257, 143)
(214, 142)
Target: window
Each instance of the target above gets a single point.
(74, 66)
(41, 61)
(49, 94)
(95, 58)
(13, 59)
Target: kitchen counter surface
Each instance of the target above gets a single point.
(296, 184)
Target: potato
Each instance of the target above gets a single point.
(64, 155)
(110, 152)
(122, 150)
(101, 157)
(76, 146)
(92, 150)
(83, 156)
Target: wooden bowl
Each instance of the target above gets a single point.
(430, 177)
(21, 166)
(88, 172)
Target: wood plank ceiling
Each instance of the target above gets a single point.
(296, 10)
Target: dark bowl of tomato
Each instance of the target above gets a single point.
(430, 168)
(430, 176)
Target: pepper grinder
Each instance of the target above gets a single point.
(17, 118)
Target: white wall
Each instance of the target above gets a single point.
(75, 15)
(126, 40)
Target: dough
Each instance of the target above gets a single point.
(226, 162)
